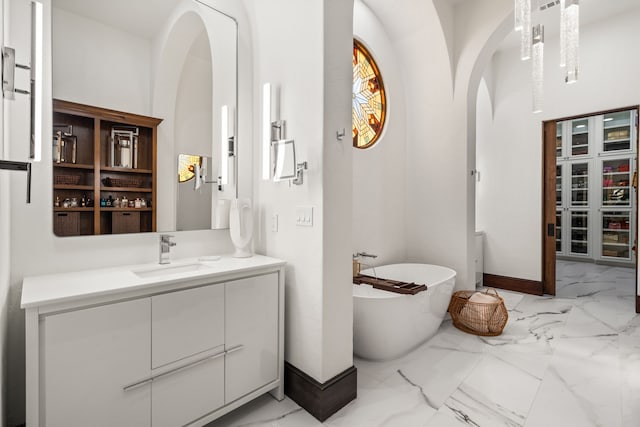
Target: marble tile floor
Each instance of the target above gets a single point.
(568, 361)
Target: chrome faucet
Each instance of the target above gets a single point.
(165, 247)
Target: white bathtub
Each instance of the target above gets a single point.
(387, 325)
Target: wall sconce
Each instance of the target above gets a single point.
(272, 130)
(34, 91)
(266, 131)
(227, 144)
(284, 165)
(37, 55)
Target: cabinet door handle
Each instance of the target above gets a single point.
(173, 371)
(234, 349)
(189, 365)
(137, 384)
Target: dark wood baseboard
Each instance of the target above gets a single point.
(525, 286)
(637, 303)
(320, 399)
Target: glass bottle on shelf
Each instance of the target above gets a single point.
(616, 234)
(616, 179)
(617, 131)
(580, 137)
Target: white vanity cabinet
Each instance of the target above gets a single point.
(187, 354)
(251, 330)
(170, 355)
(89, 355)
(185, 323)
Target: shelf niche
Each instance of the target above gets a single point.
(84, 172)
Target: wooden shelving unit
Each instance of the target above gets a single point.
(92, 131)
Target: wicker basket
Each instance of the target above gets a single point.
(67, 179)
(122, 182)
(486, 319)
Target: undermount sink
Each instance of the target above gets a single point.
(166, 270)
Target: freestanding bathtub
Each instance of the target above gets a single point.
(387, 325)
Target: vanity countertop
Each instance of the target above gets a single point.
(81, 285)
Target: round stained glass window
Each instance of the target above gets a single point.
(369, 100)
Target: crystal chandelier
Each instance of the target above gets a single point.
(523, 24)
(570, 11)
(537, 66)
(532, 41)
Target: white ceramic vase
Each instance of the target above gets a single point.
(241, 227)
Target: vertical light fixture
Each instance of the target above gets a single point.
(517, 15)
(571, 39)
(224, 145)
(525, 39)
(537, 66)
(266, 131)
(37, 53)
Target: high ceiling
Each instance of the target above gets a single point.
(590, 11)
(143, 17)
(139, 17)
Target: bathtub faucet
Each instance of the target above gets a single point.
(365, 255)
(357, 264)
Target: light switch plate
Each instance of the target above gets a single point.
(304, 216)
(274, 223)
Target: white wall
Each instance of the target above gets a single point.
(5, 261)
(311, 67)
(484, 119)
(337, 189)
(35, 250)
(379, 172)
(510, 148)
(89, 52)
(5, 248)
(4, 290)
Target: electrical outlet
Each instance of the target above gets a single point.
(274, 223)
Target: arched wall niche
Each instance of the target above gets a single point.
(438, 44)
(379, 171)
